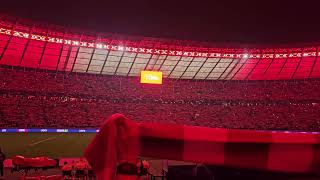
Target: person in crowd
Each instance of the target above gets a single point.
(2, 158)
(81, 164)
(142, 168)
(80, 167)
(67, 169)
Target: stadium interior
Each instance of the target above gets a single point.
(53, 77)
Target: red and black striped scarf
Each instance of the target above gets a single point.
(122, 140)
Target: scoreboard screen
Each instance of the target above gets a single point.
(151, 77)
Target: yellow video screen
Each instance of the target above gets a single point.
(151, 77)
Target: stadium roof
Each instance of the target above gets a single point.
(34, 45)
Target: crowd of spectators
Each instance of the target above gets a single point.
(49, 99)
(119, 86)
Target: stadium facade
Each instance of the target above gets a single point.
(41, 46)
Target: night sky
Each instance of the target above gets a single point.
(257, 22)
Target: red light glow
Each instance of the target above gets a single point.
(100, 45)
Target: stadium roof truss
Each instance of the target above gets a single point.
(55, 48)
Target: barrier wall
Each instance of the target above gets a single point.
(94, 130)
(50, 130)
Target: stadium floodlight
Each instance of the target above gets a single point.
(99, 46)
(120, 48)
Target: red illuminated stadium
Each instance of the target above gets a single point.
(66, 65)
(54, 78)
(47, 47)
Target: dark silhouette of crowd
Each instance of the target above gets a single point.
(54, 99)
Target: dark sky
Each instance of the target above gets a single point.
(259, 21)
